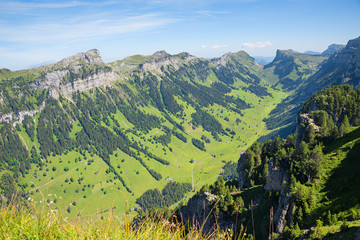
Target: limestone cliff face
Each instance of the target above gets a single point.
(162, 59)
(81, 71)
(283, 214)
(276, 178)
(341, 67)
(349, 58)
(278, 181)
(196, 214)
(19, 117)
(303, 122)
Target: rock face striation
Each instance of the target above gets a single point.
(276, 179)
(79, 72)
(349, 59)
(162, 59)
(284, 211)
(19, 117)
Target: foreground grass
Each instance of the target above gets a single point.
(23, 224)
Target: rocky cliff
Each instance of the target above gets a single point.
(285, 208)
(81, 71)
(162, 59)
(333, 48)
(198, 214)
(276, 179)
(341, 67)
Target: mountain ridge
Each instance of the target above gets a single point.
(121, 129)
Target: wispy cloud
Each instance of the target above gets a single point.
(81, 29)
(211, 14)
(257, 44)
(15, 6)
(203, 46)
(219, 46)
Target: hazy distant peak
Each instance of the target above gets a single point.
(312, 53)
(240, 56)
(332, 49)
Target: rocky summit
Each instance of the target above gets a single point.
(226, 143)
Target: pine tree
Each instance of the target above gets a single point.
(344, 127)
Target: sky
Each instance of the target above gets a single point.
(33, 33)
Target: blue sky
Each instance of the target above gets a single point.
(38, 32)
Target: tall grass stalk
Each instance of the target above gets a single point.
(23, 223)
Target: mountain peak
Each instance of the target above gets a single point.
(332, 49)
(240, 56)
(160, 55)
(91, 57)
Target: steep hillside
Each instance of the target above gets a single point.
(333, 48)
(310, 180)
(292, 68)
(85, 136)
(341, 67)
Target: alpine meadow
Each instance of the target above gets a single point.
(201, 144)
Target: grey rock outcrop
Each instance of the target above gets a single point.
(197, 214)
(162, 59)
(276, 178)
(18, 118)
(196, 211)
(283, 214)
(303, 122)
(81, 71)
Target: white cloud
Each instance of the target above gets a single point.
(210, 13)
(219, 46)
(81, 29)
(257, 44)
(203, 46)
(15, 6)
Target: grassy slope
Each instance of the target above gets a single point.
(337, 190)
(22, 225)
(203, 171)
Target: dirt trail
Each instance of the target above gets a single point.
(23, 140)
(125, 123)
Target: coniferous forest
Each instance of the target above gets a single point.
(220, 148)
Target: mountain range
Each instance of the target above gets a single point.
(86, 137)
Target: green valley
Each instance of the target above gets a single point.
(86, 140)
(101, 148)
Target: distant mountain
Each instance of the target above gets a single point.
(263, 60)
(332, 49)
(141, 122)
(292, 67)
(103, 134)
(341, 67)
(312, 53)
